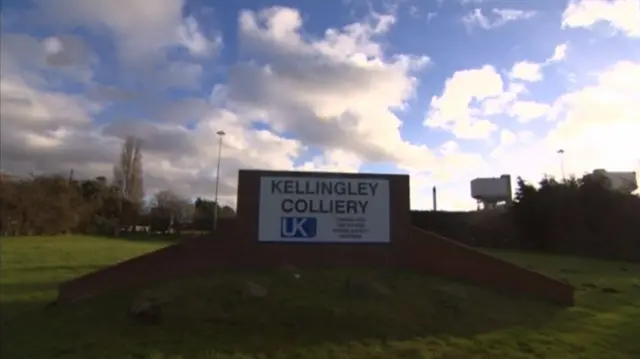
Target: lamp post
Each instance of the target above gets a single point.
(561, 153)
(215, 208)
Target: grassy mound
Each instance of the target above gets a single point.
(315, 316)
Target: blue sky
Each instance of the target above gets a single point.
(443, 90)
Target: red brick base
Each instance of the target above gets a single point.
(236, 247)
(425, 252)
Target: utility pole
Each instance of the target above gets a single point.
(561, 154)
(215, 208)
(435, 199)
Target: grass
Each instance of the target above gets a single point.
(314, 317)
(32, 267)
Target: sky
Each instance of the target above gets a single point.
(442, 90)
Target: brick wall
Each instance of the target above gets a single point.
(190, 257)
(432, 253)
(236, 246)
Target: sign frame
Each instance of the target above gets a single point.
(346, 207)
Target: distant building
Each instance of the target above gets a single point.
(490, 192)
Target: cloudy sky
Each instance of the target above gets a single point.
(445, 90)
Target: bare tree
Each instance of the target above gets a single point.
(127, 175)
(170, 211)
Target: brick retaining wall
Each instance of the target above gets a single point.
(438, 255)
(236, 247)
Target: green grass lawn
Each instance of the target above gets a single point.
(313, 317)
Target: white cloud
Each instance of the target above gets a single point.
(601, 120)
(20, 51)
(597, 126)
(526, 71)
(180, 74)
(333, 161)
(141, 29)
(458, 164)
(507, 139)
(525, 111)
(623, 15)
(532, 71)
(452, 112)
(507, 15)
(191, 36)
(38, 127)
(337, 94)
(476, 18)
(497, 18)
(32, 109)
(52, 45)
(499, 104)
(559, 53)
(66, 50)
(69, 55)
(54, 132)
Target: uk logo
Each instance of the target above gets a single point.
(298, 227)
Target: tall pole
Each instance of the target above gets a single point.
(435, 199)
(561, 153)
(215, 208)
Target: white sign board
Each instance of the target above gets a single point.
(321, 209)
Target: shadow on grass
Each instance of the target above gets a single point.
(24, 297)
(627, 323)
(207, 313)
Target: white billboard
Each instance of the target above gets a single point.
(324, 209)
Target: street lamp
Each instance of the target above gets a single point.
(215, 208)
(561, 153)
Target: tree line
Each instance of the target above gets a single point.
(583, 216)
(56, 204)
(579, 215)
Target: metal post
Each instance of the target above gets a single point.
(215, 208)
(561, 153)
(435, 199)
